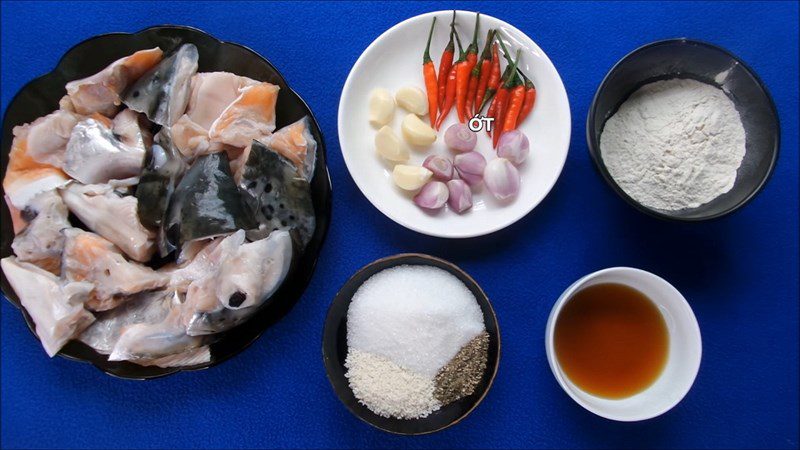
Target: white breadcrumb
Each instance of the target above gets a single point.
(388, 389)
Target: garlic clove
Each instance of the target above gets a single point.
(470, 167)
(441, 167)
(460, 198)
(381, 107)
(389, 145)
(410, 178)
(432, 196)
(412, 99)
(417, 132)
(501, 178)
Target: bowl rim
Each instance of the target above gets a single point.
(327, 203)
(399, 259)
(398, 218)
(555, 367)
(594, 152)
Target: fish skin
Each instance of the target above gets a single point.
(252, 271)
(206, 203)
(296, 143)
(277, 195)
(149, 341)
(188, 358)
(132, 129)
(145, 307)
(100, 93)
(94, 155)
(42, 243)
(164, 169)
(162, 93)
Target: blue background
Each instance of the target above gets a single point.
(740, 274)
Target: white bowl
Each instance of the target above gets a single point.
(394, 60)
(685, 348)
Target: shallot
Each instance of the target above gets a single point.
(460, 138)
(513, 146)
(501, 178)
(460, 198)
(432, 196)
(470, 167)
(441, 167)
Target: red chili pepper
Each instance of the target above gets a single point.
(463, 74)
(477, 72)
(494, 78)
(450, 94)
(492, 112)
(530, 99)
(429, 73)
(502, 98)
(445, 64)
(515, 100)
(485, 72)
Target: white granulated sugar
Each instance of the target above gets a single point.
(674, 144)
(417, 316)
(388, 389)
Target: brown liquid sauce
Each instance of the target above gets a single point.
(611, 340)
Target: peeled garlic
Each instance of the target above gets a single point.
(389, 146)
(417, 132)
(381, 107)
(410, 178)
(412, 99)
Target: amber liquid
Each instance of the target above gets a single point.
(611, 340)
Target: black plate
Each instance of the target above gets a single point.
(685, 58)
(334, 350)
(41, 96)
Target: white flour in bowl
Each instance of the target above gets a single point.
(674, 144)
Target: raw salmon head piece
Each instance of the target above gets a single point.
(296, 143)
(48, 137)
(89, 257)
(212, 92)
(250, 116)
(56, 306)
(100, 93)
(42, 242)
(25, 177)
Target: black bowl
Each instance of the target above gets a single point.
(40, 97)
(684, 58)
(334, 350)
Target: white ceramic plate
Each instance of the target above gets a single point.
(394, 60)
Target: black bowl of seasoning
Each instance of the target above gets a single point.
(707, 63)
(41, 96)
(335, 351)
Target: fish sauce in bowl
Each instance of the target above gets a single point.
(611, 340)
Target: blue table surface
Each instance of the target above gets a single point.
(740, 274)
